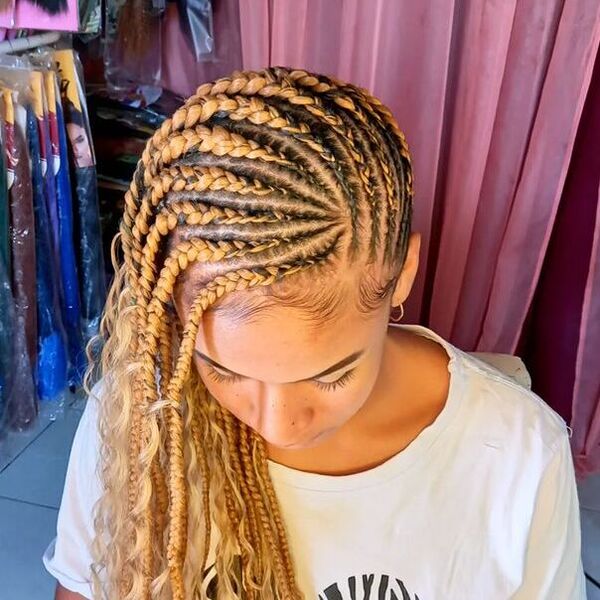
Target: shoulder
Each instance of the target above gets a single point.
(83, 478)
(494, 405)
(508, 415)
(69, 558)
(85, 451)
(89, 423)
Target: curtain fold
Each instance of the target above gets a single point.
(255, 34)
(586, 397)
(554, 338)
(526, 66)
(544, 170)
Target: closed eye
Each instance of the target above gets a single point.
(331, 386)
(221, 376)
(328, 386)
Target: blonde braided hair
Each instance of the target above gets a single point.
(263, 175)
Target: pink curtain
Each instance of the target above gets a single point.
(555, 334)
(490, 95)
(586, 410)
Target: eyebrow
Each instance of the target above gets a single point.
(339, 365)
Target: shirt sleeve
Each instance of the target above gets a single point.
(68, 557)
(553, 567)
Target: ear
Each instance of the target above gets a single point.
(407, 276)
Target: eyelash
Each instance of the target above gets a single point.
(338, 383)
(220, 378)
(328, 387)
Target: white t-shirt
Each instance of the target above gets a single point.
(481, 505)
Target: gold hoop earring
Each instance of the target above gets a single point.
(397, 319)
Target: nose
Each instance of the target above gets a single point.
(283, 415)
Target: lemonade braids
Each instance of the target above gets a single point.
(262, 175)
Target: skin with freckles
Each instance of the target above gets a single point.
(337, 398)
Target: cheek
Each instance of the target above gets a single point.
(327, 409)
(348, 400)
(238, 398)
(345, 402)
(227, 395)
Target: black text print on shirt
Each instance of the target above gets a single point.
(368, 587)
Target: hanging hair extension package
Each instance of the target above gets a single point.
(52, 348)
(18, 403)
(132, 54)
(20, 396)
(51, 361)
(58, 168)
(87, 228)
(5, 256)
(17, 389)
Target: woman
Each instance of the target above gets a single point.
(264, 433)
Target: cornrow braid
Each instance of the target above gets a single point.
(258, 178)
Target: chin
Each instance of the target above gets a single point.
(305, 444)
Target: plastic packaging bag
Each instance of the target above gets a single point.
(132, 47)
(52, 354)
(196, 19)
(58, 168)
(22, 223)
(92, 283)
(4, 214)
(71, 306)
(18, 406)
(46, 157)
(19, 312)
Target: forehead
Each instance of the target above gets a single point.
(285, 332)
(319, 290)
(277, 344)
